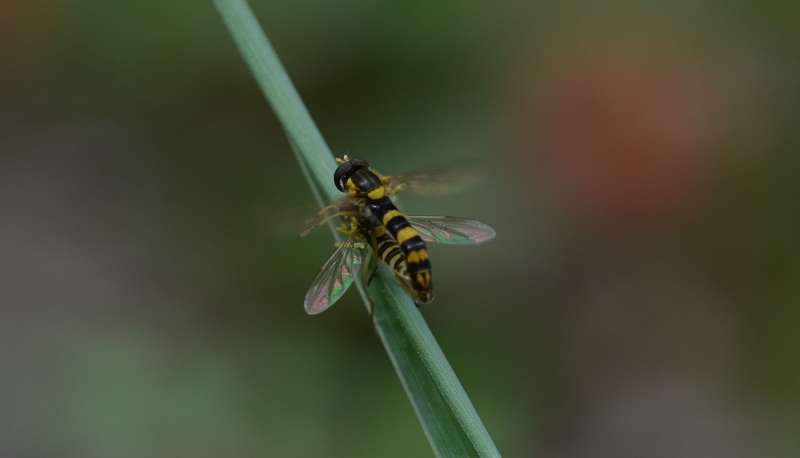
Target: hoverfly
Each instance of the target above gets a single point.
(370, 217)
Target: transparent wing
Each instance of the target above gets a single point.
(435, 182)
(451, 230)
(335, 277)
(343, 208)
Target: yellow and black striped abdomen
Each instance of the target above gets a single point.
(411, 245)
(389, 252)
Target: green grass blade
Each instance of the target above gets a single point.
(310, 148)
(444, 410)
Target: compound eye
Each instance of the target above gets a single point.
(341, 175)
(359, 163)
(346, 169)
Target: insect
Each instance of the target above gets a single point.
(370, 217)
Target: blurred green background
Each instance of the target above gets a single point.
(641, 169)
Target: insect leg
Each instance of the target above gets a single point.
(374, 242)
(327, 219)
(394, 189)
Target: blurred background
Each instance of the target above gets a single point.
(641, 169)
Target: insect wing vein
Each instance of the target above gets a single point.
(435, 182)
(335, 278)
(451, 230)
